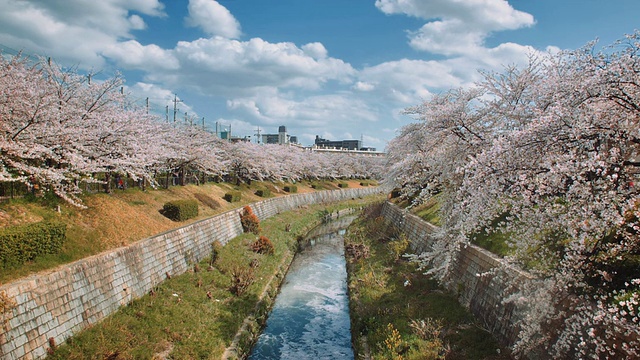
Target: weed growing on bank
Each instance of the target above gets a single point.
(398, 313)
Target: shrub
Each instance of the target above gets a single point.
(180, 210)
(263, 246)
(233, 196)
(216, 246)
(343, 185)
(291, 188)
(394, 346)
(364, 183)
(263, 192)
(19, 244)
(241, 278)
(357, 251)
(398, 246)
(249, 221)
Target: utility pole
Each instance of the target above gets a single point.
(258, 134)
(147, 106)
(166, 112)
(175, 106)
(203, 123)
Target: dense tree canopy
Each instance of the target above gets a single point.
(59, 129)
(548, 154)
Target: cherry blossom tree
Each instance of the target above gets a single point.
(548, 154)
(61, 128)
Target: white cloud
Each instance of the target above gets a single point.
(316, 112)
(235, 68)
(133, 55)
(449, 37)
(213, 18)
(456, 27)
(364, 86)
(316, 50)
(72, 31)
(408, 81)
(136, 22)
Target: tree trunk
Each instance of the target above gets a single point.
(107, 182)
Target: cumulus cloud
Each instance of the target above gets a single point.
(407, 81)
(315, 112)
(213, 18)
(316, 50)
(72, 30)
(456, 27)
(133, 55)
(224, 66)
(363, 86)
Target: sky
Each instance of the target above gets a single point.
(338, 69)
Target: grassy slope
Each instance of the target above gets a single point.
(123, 217)
(386, 294)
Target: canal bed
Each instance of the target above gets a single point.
(310, 317)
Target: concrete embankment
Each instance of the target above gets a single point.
(480, 283)
(47, 308)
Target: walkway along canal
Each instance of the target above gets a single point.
(310, 317)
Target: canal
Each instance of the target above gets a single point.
(310, 317)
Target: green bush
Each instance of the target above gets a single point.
(233, 196)
(263, 192)
(19, 244)
(180, 210)
(343, 185)
(291, 189)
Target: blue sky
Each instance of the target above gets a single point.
(340, 69)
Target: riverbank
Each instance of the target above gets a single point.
(126, 216)
(197, 314)
(398, 313)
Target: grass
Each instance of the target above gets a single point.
(489, 239)
(195, 315)
(429, 211)
(398, 313)
(120, 218)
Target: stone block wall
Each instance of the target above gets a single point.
(53, 305)
(477, 280)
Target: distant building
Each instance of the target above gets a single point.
(341, 144)
(281, 138)
(236, 139)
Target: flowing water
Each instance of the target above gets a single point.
(310, 317)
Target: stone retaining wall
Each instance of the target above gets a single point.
(54, 305)
(479, 283)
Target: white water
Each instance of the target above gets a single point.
(310, 318)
